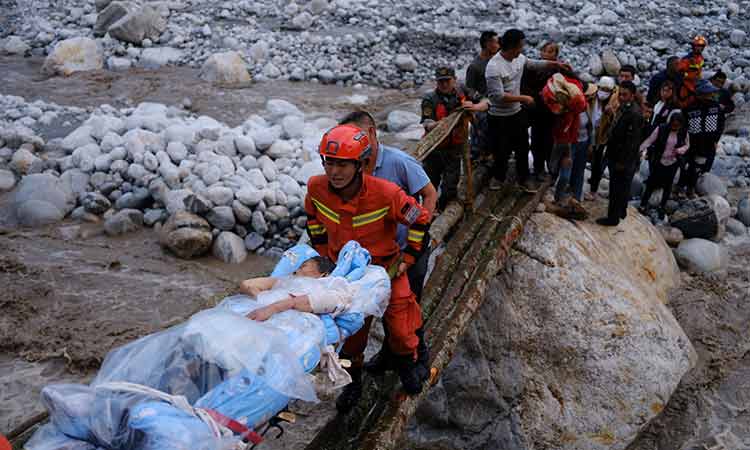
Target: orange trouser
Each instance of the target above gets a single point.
(402, 318)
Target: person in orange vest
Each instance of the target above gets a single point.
(444, 164)
(347, 204)
(691, 68)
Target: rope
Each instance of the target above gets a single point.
(178, 401)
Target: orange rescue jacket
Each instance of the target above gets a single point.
(370, 218)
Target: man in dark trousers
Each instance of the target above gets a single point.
(623, 154)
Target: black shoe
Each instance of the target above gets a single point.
(643, 210)
(352, 392)
(607, 222)
(661, 213)
(381, 363)
(409, 374)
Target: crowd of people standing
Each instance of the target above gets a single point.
(543, 106)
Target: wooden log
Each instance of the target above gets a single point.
(437, 135)
(385, 434)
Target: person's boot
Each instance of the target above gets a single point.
(351, 393)
(381, 362)
(409, 374)
(607, 222)
(423, 356)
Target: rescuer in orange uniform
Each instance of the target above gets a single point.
(347, 204)
(691, 69)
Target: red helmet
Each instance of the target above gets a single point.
(345, 142)
(700, 41)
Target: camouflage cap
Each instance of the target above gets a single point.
(444, 73)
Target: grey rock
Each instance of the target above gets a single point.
(249, 195)
(79, 137)
(76, 181)
(278, 109)
(308, 169)
(672, 236)
(294, 126)
(197, 204)
(139, 24)
(155, 57)
(219, 195)
(95, 203)
(226, 68)
(302, 21)
(400, 120)
(177, 151)
(221, 217)
(743, 211)
(153, 216)
(610, 63)
(253, 241)
(406, 63)
(123, 221)
(229, 248)
(112, 13)
(710, 184)
(265, 137)
(138, 199)
(242, 213)
(25, 162)
(14, 45)
(735, 227)
(7, 180)
(116, 64)
(74, 55)
(186, 235)
(737, 37)
(259, 223)
(245, 146)
(702, 256)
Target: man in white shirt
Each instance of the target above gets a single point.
(508, 124)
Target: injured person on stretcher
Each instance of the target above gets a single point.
(317, 302)
(192, 385)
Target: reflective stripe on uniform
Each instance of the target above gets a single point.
(316, 229)
(370, 217)
(326, 211)
(415, 236)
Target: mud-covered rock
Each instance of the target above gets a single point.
(186, 235)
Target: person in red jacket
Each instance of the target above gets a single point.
(347, 204)
(691, 68)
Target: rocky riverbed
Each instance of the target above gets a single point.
(115, 115)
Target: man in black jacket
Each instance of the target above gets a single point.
(623, 154)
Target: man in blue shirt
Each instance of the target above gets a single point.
(400, 168)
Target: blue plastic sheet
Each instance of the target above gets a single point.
(218, 360)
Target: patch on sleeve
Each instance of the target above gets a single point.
(411, 214)
(426, 109)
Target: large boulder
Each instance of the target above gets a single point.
(743, 211)
(123, 221)
(74, 55)
(139, 24)
(573, 348)
(696, 219)
(186, 235)
(702, 256)
(226, 68)
(111, 14)
(229, 248)
(153, 58)
(42, 199)
(710, 184)
(400, 120)
(610, 63)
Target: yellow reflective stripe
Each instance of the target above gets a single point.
(415, 235)
(316, 230)
(364, 219)
(326, 211)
